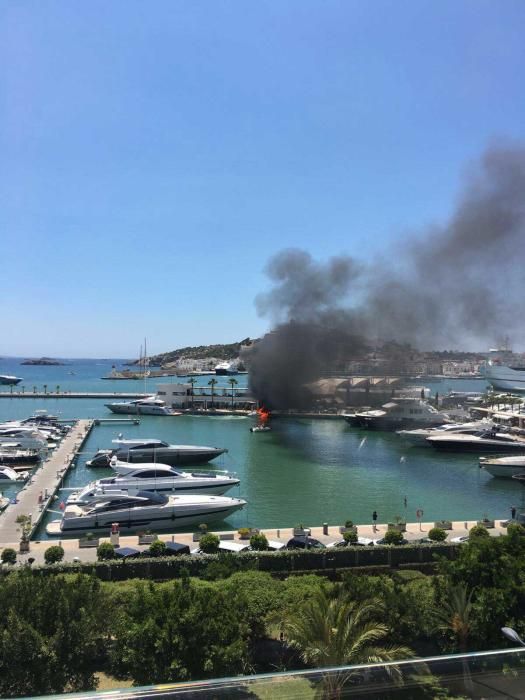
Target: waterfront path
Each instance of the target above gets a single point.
(415, 531)
(46, 480)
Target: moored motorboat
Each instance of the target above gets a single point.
(505, 467)
(158, 451)
(9, 379)
(400, 413)
(12, 453)
(485, 441)
(150, 406)
(144, 510)
(161, 479)
(419, 436)
(7, 474)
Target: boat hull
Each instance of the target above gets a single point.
(166, 456)
(10, 381)
(503, 377)
(474, 446)
(158, 519)
(503, 470)
(131, 410)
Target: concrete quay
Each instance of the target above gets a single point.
(47, 479)
(415, 531)
(72, 395)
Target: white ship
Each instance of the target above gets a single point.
(150, 406)
(225, 368)
(504, 370)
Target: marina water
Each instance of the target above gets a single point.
(305, 471)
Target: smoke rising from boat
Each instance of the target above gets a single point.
(460, 284)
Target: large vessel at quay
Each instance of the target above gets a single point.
(504, 370)
(9, 379)
(150, 406)
(400, 413)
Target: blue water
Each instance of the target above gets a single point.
(304, 471)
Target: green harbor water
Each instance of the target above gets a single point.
(303, 471)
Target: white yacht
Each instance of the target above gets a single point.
(12, 453)
(419, 436)
(144, 510)
(504, 369)
(503, 466)
(150, 406)
(160, 479)
(226, 368)
(7, 474)
(402, 412)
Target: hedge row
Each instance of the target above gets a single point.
(278, 563)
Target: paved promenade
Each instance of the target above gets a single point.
(46, 480)
(414, 532)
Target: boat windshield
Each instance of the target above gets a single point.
(143, 498)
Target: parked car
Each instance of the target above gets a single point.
(304, 543)
(361, 542)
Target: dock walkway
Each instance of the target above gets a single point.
(46, 480)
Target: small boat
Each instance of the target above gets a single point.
(144, 510)
(506, 467)
(260, 429)
(10, 380)
(7, 475)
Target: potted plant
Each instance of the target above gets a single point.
(25, 531)
(88, 541)
(443, 524)
(398, 525)
(244, 533)
(203, 529)
(486, 522)
(348, 527)
(147, 537)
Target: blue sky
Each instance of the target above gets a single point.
(154, 155)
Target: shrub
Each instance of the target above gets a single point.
(259, 541)
(157, 548)
(515, 529)
(393, 537)
(350, 537)
(9, 556)
(244, 532)
(478, 531)
(349, 523)
(437, 534)
(105, 551)
(54, 554)
(209, 543)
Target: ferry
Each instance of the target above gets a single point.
(504, 370)
(9, 379)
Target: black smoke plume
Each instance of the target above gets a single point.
(453, 285)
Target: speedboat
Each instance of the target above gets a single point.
(26, 437)
(164, 479)
(9, 379)
(503, 466)
(150, 406)
(8, 474)
(12, 453)
(158, 451)
(419, 435)
(402, 412)
(144, 510)
(484, 441)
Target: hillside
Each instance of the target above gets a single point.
(227, 351)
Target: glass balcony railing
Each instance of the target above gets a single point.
(483, 675)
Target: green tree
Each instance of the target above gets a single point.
(213, 383)
(393, 537)
(334, 631)
(8, 556)
(157, 548)
(105, 551)
(259, 541)
(54, 554)
(192, 381)
(233, 383)
(209, 543)
(437, 534)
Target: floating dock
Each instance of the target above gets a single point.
(46, 480)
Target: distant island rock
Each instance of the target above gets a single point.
(42, 361)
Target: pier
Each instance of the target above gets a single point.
(46, 480)
(72, 395)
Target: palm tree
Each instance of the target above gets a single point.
(336, 632)
(192, 381)
(233, 383)
(213, 382)
(454, 615)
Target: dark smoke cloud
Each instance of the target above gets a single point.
(450, 286)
